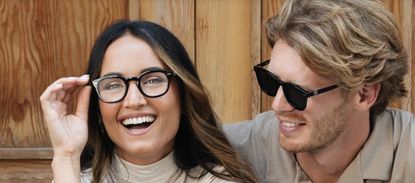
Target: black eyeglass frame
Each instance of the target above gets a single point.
(304, 93)
(126, 81)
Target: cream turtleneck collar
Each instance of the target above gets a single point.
(161, 171)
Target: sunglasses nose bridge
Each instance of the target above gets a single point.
(280, 102)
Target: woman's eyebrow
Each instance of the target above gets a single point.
(142, 71)
(151, 69)
(112, 74)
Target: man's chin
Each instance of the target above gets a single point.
(293, 147)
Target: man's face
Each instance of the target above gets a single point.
(326, 116)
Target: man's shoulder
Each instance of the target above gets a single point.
(257, 140)
(400, 116)
(401, 122)
(402, 129)
(259, 128)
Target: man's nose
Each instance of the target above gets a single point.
(280, 102)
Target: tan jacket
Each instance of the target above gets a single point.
(387, 156)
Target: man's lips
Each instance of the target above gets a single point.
(288, 126)
(290, 121)
(291, 124)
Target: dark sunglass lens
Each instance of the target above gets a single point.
(295, 97)
(266, 82)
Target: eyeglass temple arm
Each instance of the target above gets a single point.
(262, 64)
(316, 92)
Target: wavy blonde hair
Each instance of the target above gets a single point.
(353, 42)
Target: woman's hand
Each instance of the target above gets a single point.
(68, 132)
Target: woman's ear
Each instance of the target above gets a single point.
(367, 96)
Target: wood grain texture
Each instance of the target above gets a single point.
(223, 55)
(256, 28)
(25, 171)
(134, 9)
(408, 41)
(26, 153)
(412, 61)
(42, 41)
(175, 15)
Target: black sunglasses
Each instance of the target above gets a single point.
(295, 95)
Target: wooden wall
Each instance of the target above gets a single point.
(42, 40)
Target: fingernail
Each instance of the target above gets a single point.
(85, 77)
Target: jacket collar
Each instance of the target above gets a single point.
(374, 161)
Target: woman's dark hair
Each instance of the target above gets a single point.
(199, 141)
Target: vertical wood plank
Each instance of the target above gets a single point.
(256, 28)
(270, 8)
(175, 15)
(42, 41)
(133, 9)
(406, 27)
(411, 49)
(223, 55)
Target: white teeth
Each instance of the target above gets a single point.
(138, 120)
(289, 124)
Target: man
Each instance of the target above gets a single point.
(335, 65)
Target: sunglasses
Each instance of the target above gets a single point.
(294, 94)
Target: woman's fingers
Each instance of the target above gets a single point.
(47, 94)
(83, 103)
(59, 89)
(72, 80)
(66, 95)
(57, 95)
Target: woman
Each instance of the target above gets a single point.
(148, 119)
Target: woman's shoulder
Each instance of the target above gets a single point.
(86, 175)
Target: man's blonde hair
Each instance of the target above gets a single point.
(352, 42)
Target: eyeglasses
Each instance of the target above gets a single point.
(295, 95)
(114, 88)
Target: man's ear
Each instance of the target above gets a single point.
(366, 96)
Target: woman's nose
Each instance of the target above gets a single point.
(134, 98)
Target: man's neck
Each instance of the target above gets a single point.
(328, 164)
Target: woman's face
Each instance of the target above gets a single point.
(153, 122)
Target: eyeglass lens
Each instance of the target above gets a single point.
(152, 84)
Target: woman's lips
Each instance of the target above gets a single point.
(138, 125)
